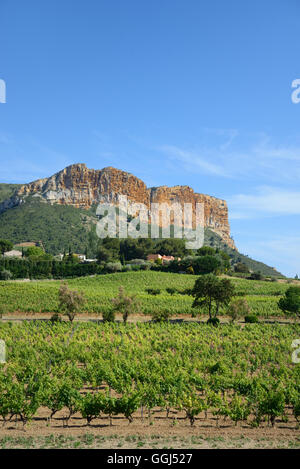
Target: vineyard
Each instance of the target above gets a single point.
(41, 296)
(101, 373)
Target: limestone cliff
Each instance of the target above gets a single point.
(81, 187)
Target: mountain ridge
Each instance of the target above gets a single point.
(82, 187)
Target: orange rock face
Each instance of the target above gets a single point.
(81, 187)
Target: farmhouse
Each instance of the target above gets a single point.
(13, 253)
(165, 259)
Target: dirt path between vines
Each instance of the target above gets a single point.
(159, 432)
(19, 316)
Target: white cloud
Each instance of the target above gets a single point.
(267, 201)
(238, 158)
(193, 160)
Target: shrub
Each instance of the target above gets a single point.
(153, 291)
(213, 322)
(237, 308)
(251, 319)
(137, 261)
(171, 291)
(256, 276)
(190, 270)
(241, 267)
(160, 315)
(109, 316)
(125, 305)
(56, 317)
(114, 267)
(5, 274)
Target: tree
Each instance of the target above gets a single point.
(256, 276)
(206, 264)
(171, 247)
(35, 252)
(125, 305)
(70, 301)
(290, 302)
(103, 255)
(224, 293)
(206, 251)
(238, 307)
(136, 248)
(5, 246)
(210, 293)
(241, 267)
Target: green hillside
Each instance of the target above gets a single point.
(214, 240)
(62, 226)
(7, 190)
(42, 296)
(57, 226)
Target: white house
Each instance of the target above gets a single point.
(13, 253)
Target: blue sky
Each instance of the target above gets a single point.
(177, 92)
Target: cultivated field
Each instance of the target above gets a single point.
(41, 296)
(110, 385)
(144, 384)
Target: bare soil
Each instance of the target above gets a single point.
(20, 316)
(156, 432)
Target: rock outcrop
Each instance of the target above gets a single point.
(82, 187)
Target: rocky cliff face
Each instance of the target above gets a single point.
(81, 187)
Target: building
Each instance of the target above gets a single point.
(13, 253)
(153, 257)
(165, 259)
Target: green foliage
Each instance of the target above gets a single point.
(206, 251)
(161, 315)
(100, 289)
(256, 276)
(213, 321)
(5, 246)
(5, 274)
(290, 303)
(153, 291)
(171, 291)
(113, 267)
(171, 247)
(238, 307)
(241, 267)
(210, 293)
(251, 319)
(7, 190)
(109, 315)
(125, 304)
(70, 301)
(57, 226)
(113, 369)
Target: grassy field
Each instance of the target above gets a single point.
(41, 296)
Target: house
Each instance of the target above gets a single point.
(13, 253)
(153, 257)
(165, 259)
(81, 257)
